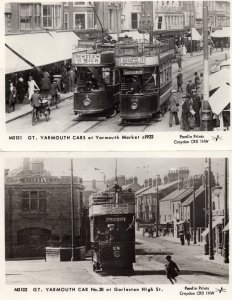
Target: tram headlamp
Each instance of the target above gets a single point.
(86, 101)
(116, 254)
(134, 104)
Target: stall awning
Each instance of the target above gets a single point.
(223, 33)
(43, 48)
(220, 99)
(13, 63)
(196, 35)
(215, 223)
(219, 78)
(226, 228)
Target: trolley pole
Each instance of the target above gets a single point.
(206, 120)
(191, 28)
(157, 207)
(72, 213)
(211, 254)
(194, 213)
(226, 233)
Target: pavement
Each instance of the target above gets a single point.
(25, 108)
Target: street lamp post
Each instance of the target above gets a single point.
(72, 213)
(157, 207)
(206, 246)
(211, 254)
(194, 213)
(226, 242)
(206, 120)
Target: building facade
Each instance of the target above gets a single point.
(38, 209)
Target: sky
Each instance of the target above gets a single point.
(96, 168)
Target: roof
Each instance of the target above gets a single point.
(219, 78)
(134, 186)
(14, 63)
(142, 190)
(196, 35)
(214, 224)
(177, 195)
(197, 193)
(152, 190)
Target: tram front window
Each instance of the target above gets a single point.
(117, 232)
(93, 79)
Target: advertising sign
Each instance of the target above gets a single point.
(86, 59)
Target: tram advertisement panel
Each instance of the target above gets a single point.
(112, 209)
(86, 59)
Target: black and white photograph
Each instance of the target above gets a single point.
(116, 220)
(123, 66)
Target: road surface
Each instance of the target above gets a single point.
(64, 120)
(148, 269)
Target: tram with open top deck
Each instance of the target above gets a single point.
(145, 76)
(112, 230)
(97, 80)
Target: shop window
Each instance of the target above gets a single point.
(34, 201)
(51, 16)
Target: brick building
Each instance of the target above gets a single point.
(38, 208)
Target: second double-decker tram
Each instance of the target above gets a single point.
(112, 230)
(97, 81)
(145, 78)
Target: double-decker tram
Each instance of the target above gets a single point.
(145, 77)
(97, 81)
(112, 230)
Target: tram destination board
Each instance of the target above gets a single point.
(112, 209)
(86, 59)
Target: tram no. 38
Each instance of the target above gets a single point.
(112, 230)
(97, 80)
(145, 78)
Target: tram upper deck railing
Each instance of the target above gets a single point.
(137, 48)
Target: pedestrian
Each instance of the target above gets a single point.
(181, 238)
(179, 78)
(222, 46)
(179, 61)
(65, 81)
(196, 106)
(12, 97)
(71, 78)
(196, 80)
(189, 88)
(54, 91)
(188, 237)
(21, 89)
(45, 85)
(172, 269)
(173, 108)
(32, 87)
(186, 113)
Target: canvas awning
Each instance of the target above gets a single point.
(13, 63)
(220, 99)
(214, 224)
(223, 33)
(226, 228)
(219, 78)
(196, 35)
(43, 48)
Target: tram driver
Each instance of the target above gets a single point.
(136, 85)
(113, 234)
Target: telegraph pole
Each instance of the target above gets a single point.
(72, 213)
(157, 207)
(226, 242)
(191, 28)
(206, 124)
(206, 213)
(194, 213)
(211, 255)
